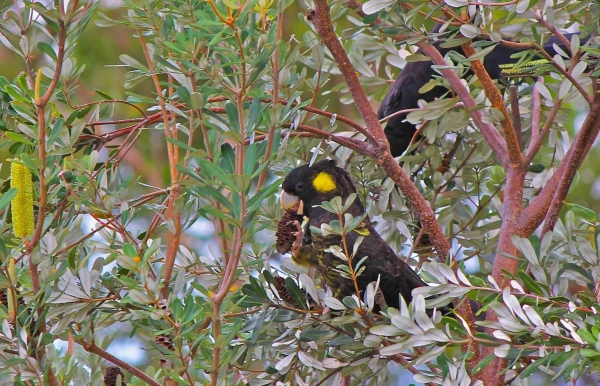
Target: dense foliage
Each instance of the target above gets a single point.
(240, 98)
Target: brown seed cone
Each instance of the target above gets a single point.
(287, 232)
(110, 376)
(283, 292)
(165, 341)
(3, 297)
(446, 162)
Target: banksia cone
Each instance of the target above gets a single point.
(165, 341)
(111, 374)
(22, 204)
(283, 292)
(287, 230)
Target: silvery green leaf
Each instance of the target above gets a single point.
(357, 244)
(463, 278)
(349, 201)
(423, 321)
(372, 6)
(385, 330)
(6, 329)
(179, 281)
(337, 251)
(337, 380)
(428, 356)
(522, 6)
(406, 324)
(502, 351)
(334, 304)
(372, 341)
(139, 296)
(469, 30)
(543, 90)
(309, 361)
(579, 67)
(559, 60)
(84, 280)
(524, 245)
(401, 226)
(560, 52)
(545, 244)
(392, 349)
(501, 335)
(588, 253)
(533, 316)
(332, 363)
(564, 89)
(310, 287)
(515, 284)
(418, 303)
(437, 335)
(284, 363)
(370, 296)
(447, 272)
(456, 3)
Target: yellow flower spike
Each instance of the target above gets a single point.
(137, 259)
(12, 277)
(233, 288)
(22, 204)
(38, 87)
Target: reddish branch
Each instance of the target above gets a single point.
(493, 94)
(92, 348)
(582, 145)
(547, 204)
(489, 132)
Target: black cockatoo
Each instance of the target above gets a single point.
(404, 93)
(304, 189)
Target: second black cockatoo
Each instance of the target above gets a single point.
(404, 93)
(304, 189)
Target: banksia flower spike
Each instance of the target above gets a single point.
(22, 204)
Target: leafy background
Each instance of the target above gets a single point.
(101, 47)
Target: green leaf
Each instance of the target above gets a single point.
(213, 171)
(373, 6)
(55, 131)
(312, 334)
(47, 49)
(232, 115)
(281, 316)
(18, 138)
(481, 53)
(582, 211)
(184, 95)
(530, 283)
(129, 250)
(254, 202)
(7, 197)
(483, 364)
(295, 292)
(103, 94)
(128, 60)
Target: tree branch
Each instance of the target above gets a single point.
(539, 209)
(489, 132)
(92, 348)
(589, 132)
(515, 157)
